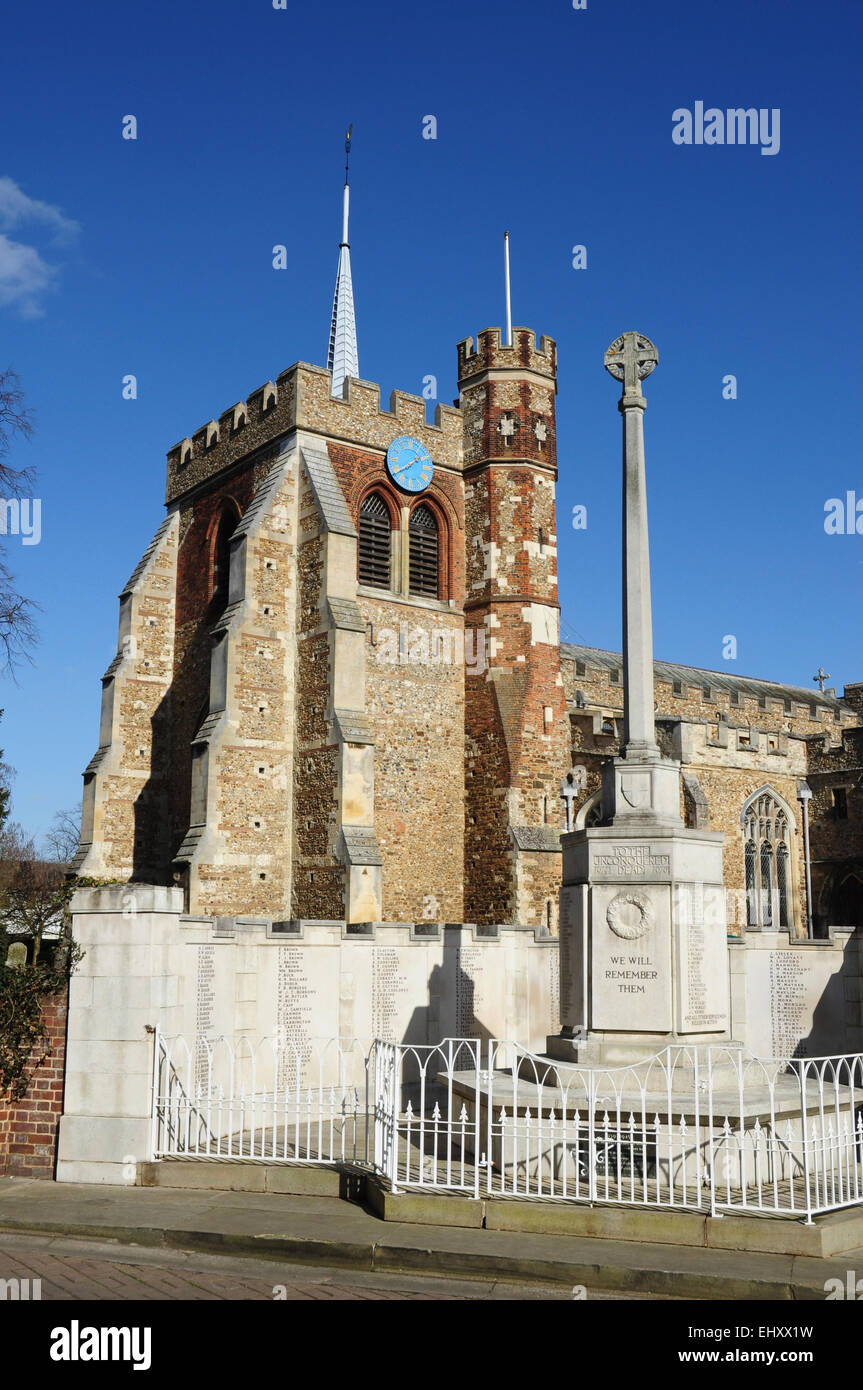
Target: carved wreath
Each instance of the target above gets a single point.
(630, 915)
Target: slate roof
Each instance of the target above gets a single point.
(353, 726)
(668, 671)
(536, 837)
(361, 845)
(328, 494)
(345, 613)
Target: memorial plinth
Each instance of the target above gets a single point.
(644, 960)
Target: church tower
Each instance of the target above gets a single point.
(517, 735)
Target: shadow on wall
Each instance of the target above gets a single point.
(831, 1024)
(424, 1027)
(840, 900)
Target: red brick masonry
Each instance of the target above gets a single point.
(28, 1130)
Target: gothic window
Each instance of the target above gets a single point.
(783, 884)
(374, 547)
(767, 860)
(751, 891)
(766, 885)
(424, 547)
(221, 558)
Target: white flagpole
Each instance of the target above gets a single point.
(508, 341)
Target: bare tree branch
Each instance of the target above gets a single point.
(15, 418)
(62, 839)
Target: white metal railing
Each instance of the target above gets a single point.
(705, 1129)
(271, 1099)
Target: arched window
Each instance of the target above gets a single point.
(767, 861)
(783, 884)
(374, 547)
(767, 914)
(221, 558)
(424, 547)
(751, 889)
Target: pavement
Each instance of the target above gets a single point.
(70, 1270)
(338, 1235)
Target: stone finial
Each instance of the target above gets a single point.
(630, 359)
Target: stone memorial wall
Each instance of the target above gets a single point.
(298, 984)
(793, 998)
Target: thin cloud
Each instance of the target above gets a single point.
(17, 209)
(25, 276)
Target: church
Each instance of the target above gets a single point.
(340, 693)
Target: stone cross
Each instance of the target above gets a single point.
(821, 677)
(541, 432)
(629, 359)
(507, 427)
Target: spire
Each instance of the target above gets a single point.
(342, 358)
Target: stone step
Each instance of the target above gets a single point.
(238, 1175)
(828, 1235)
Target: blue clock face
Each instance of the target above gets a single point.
(410, 463)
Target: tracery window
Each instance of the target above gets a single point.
(767, 839)
(374, 546)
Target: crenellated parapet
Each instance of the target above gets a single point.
(300, 398)
(489, 354)
(266, 416)
(506, 394)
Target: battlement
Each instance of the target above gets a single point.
(300, 398)
(358, 417)
(489, 353)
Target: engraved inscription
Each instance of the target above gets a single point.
(204, 1006)
(468, 991)
(554, 987)
(389, 992)
(295, 1008)
(701, 987)
(632, 861)
(789, 1012)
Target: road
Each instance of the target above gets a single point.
(75, 1270)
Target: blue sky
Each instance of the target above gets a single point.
(154, 257)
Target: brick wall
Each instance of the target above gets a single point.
(28, 1129)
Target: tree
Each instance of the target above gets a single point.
(17, 624)
(34, 912)
(62, 839)
(7, 775)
